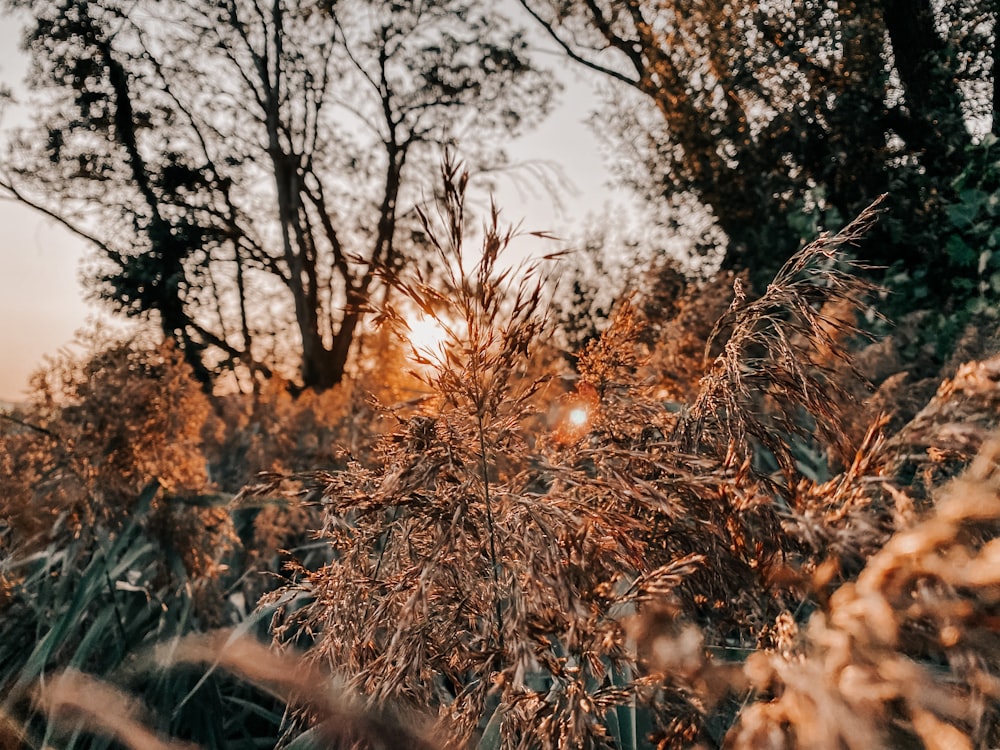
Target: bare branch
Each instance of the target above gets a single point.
(573, 54)
(16, 196)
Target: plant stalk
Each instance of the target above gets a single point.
(494, 566)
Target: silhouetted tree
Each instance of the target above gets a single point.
(772, 113)
(246, 166)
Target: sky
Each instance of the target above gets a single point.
(42, 299)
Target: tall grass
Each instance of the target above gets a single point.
(522, 563)
(93, 606)
(487, 565)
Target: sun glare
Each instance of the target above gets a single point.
(426, 335)
(575, 414)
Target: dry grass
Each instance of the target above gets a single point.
(74, 700)
(513, 563)
(496, 568)
(774, 372)
(904, 656)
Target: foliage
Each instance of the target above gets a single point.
(970, 269)
(502, 559)
(96, 604)
(511, 554)
(697, 529)
(98, 430)
(787, 116)
(245, 168)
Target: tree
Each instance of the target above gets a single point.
(770, 110)
(237, 160)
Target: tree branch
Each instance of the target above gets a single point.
(16, 196)
(21, 423)
(572, 53)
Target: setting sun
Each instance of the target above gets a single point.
(575, 413)
(426, 335)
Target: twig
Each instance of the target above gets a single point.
(29, 425)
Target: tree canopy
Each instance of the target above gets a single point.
(246, 167)
(772, 112)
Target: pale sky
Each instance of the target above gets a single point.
(41, 297)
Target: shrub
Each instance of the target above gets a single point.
(99, 429)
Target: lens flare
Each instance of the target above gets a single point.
(574, 414)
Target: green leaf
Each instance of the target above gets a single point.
(974, 197)
(962, 215)
(491, 732)
(960, 253)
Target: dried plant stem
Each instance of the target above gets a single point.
(102, 709)
(381, 557)
(385, 545)
(494, 567)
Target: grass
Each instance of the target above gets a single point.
(521, 557)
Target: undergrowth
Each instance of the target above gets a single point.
(695, 538)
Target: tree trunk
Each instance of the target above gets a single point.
(932, 95)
